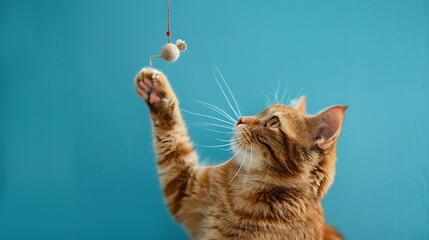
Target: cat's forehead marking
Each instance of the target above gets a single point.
(277, 110)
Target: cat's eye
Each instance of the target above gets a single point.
(274, 122)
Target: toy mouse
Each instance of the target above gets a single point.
(171, 52)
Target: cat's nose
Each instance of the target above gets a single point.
(245, 120)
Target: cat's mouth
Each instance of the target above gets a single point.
(242, 135)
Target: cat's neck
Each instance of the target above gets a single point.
(271, 201)
(257, 186)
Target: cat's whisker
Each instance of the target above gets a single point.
(277, 91)
(231, 148)
(265, 98)
(205, 124)
(251, 158)
(239, 169)
(300, 91)
(219, 165)
(236, 143)
(229, 140)
(226, 149)
(266, 176)
(208, 116)
(232, 143)
(214, 146)
(217, 109)
(273, 95)
(230, 92)
(216, 131)
(282, 98)
(226, 98)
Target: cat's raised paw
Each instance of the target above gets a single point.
(152, 86)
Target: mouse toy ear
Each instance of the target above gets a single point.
(181, 45)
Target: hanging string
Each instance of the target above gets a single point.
(170, 52)
(168, 31)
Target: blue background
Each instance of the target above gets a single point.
(76, 159)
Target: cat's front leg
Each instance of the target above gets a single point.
(175, 154)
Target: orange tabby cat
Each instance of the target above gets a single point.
(273, 187)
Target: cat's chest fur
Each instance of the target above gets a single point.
(253, 214)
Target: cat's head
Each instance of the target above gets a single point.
(293, 146)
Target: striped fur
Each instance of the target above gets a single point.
(289, 166)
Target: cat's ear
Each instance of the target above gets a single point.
(300, 104)
(327, 125)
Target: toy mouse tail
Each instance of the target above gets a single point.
(150, 59)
